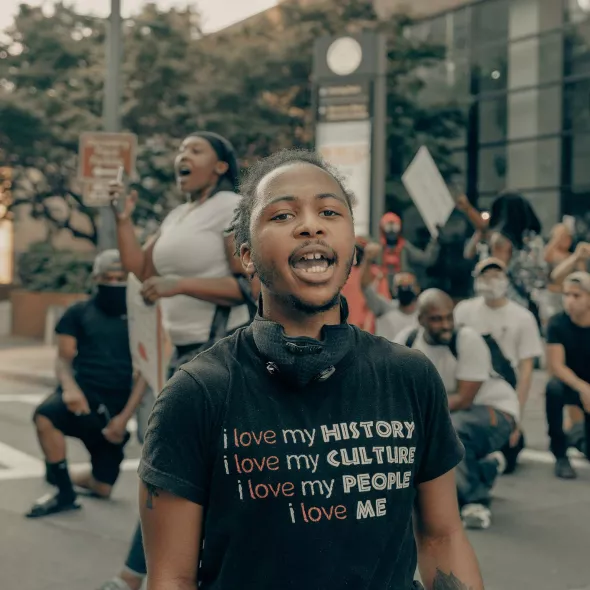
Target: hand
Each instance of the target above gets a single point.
(75, 401)
(514, 437)
(115, 190)
(155, 288)
(583, 251)
(372, 251)
(584, 391)
(116, 430)
(463, 203)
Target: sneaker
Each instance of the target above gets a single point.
(115, 584)
(500, 459)
(52, 504)
(564, 469)
(476, 516)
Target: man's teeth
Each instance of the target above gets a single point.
(316, 269)
(316, 256)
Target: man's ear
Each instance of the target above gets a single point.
(221, 168)
(246, 259)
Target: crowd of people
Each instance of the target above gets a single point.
(294, 356)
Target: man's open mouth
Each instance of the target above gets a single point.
(313, 262)
(184, 171)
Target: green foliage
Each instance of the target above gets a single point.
(44, 268)
(251, 83)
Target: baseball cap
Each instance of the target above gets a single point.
(107, 261)
(581, 279)
(486, 264)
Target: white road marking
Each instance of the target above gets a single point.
(38, 471)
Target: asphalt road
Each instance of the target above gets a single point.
(539, 539)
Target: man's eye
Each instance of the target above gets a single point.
(281, 217)
(330, 213)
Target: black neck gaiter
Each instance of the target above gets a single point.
(302, 360)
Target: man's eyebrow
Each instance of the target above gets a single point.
(293, 198)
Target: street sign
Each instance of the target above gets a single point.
(100, 156)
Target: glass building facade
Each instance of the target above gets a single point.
(520, 71)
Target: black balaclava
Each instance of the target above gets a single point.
(406, 295)
(110, 298)
(301, 361)
(226, 153)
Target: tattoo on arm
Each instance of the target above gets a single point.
(443, 581)
(152, 492)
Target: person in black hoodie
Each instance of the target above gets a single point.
(302, 452)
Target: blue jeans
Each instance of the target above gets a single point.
(482, 430)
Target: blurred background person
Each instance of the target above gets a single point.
(94, 399)
(568, 354)
(393, 313)
(511, 332)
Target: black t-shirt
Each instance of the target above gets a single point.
(303, 488)
(575, 341)
(103, 366)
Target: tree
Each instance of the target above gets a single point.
(251, 82)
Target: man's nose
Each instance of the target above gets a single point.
(311, 225)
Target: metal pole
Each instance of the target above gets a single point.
(379, 143)
(107, 237)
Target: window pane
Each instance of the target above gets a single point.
(491, 21)
(580, 161)
(577, 106)
(492, 169)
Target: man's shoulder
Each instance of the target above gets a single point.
(394, 354)
(518, 312)
(468, 305)
(403, 335)
(214, 366)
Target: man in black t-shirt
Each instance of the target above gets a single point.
(568, 359)
(94, 400)
(293, 454)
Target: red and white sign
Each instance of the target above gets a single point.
(100, 157)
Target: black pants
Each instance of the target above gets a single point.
(557, 396)
(105, 457)
(135, 562)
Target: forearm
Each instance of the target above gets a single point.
(137, 393)
(476, 219)
(366, 275)
(567, 376)
(65, 374)
(457, 402)
(133, 257)
(523, 386)
(167, 584)
(564, 269)
(448, 563)
(223, 291)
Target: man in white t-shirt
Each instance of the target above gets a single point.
(513, 328)
(484, 409)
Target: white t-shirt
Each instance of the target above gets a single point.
(474, 363)
(191, 244)
(512, 326)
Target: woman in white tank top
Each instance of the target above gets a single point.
(189, 265)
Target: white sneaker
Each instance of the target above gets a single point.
(476, 516)
(499, 457)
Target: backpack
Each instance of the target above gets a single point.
(500, 364)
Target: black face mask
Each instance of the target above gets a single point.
(391, 237)
(112, 299)
(406, 295)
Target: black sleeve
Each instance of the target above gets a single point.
(442, 448)
(177, 448)
(555, 330)
(69, 324)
